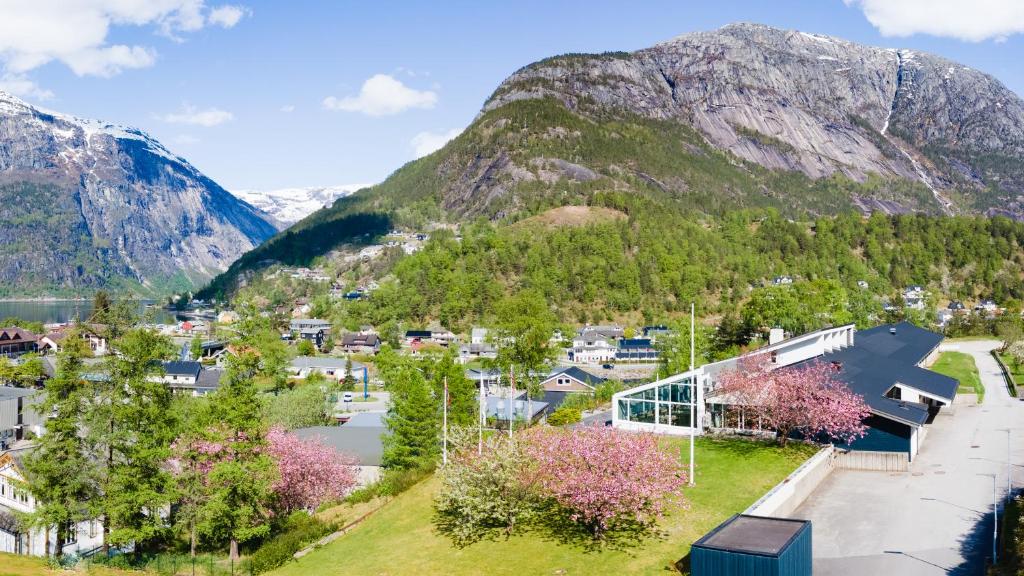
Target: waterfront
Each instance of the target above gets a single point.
(61, 311)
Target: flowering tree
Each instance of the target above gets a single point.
(486, 488)
(603, 475)
(309, 472)
(807, 398)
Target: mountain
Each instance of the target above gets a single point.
(86, 205)
(743, 117)
(289, 205)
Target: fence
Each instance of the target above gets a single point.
(877, 461)
(174, 564)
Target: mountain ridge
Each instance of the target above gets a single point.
(89, 204)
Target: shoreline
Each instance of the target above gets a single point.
(43, 299)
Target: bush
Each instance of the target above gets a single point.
(395, 482)
(299, 531)
(565, 415)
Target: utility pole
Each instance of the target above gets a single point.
(444, 452)
(693, 391)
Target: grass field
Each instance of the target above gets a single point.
(961, 366)
(1016, 374)
(401, 539)
(15, 565)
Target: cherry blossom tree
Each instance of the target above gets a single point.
(603, 476)
(806, 398)
(309, 472)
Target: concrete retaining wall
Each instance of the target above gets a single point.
(878, 461)
(789, 494)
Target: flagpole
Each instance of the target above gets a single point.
(511, 398)
(480, 418)
(693, 390)
(444, 454)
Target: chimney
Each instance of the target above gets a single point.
(776, 335)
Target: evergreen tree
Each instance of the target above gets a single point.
(58, 469)
(413, 418)
(348, 383)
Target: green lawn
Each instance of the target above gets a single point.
(1016, 373)
(961, 366)
(13, 565)
(400, 538)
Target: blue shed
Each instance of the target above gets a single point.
(754, 546)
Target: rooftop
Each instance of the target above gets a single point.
(753, 534)
(363, 442)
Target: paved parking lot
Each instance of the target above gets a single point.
(937, 518)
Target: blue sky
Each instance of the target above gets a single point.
(240, 89)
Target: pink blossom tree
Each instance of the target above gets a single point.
(807, 398)
(309, 472)
(603, 475)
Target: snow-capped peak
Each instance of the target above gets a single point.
(289, 205)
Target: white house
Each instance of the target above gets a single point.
(333, 368)
(592, 347)
(17, 415)
(13, 500)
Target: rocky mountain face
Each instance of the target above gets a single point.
(790, 100)
(289, 205)
(85, 205)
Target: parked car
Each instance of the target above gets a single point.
(607, 366)
(346, 397)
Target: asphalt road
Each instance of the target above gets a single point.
(937, 518)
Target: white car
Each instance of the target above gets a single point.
(346, 397)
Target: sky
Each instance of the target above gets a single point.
(270, 94)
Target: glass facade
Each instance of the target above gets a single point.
(670, 404)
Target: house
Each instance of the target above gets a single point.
(470, 352)
(571, 379)
(360, 342)
(360, 436)
(15, 500)
(653, 332)
(591, 347)
(17, 414)
(782, 281)
(884, 365)
(610, 332)
(478, 336)
(440, 336)
(190, 378)
(913, 297)
(54, 341)
(490, 378)
(987, 306)
(16, 341)
(636, 350)
(333, 368)
(956, 307)
(314, 335)
(944, 317)
(297, 325)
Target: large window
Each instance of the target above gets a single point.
(671, 404)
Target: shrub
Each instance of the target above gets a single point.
(565, 415)
(299, 531)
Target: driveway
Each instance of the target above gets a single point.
(936, 518)
(380, 404)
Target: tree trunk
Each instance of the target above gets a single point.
(46, 535)
(233, 554)
(192, 538)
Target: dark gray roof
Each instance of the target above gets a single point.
(182, 368)
(579, 374)
(209, 378)
(753, 534)
(14, 392)
(902, 342)
(363, 442)
(880, 359)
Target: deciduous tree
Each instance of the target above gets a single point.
(309, 472)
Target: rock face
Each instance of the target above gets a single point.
(797, 101)
(84, 204)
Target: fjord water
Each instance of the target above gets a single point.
(60, 311)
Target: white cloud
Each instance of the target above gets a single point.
(35, 32)
(185, 139)
(195, 117)
(21, 86)
(426, 142)
(973, 21)
(382, 95)
(227, 16)
(288, 108)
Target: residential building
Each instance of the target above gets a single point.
(16, 341)
(636, 350)
(190, 377)
(315, 335)
(592, 347)
(17, 414)
(360, 342)
(956, 306)
(331, 367)
(913, 297)
(15, 500)
(441, 336)
(571, 379)
(502, 411)
(299, 324)
(478, 336)
(782, 281)
(987, 306)
(884, 365)
(360, 436)
(54, 341)
(610, 331)
(470, 352)
(655, 331)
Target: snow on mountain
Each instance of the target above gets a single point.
(289, 205)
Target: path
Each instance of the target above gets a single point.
(937, 518)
